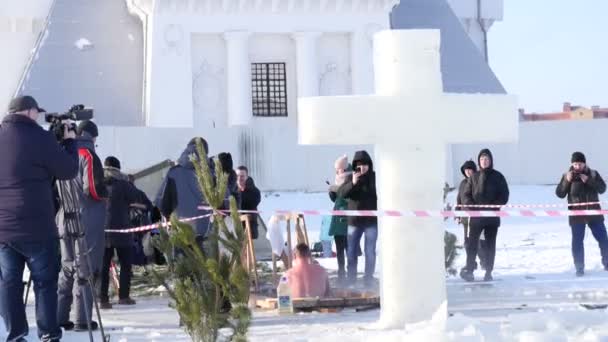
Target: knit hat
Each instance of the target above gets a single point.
(112, 162)
(89, 127)
(468, 165)
(341, 163)
(578, 157)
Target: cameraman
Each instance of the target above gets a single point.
(91, 211)
(583, 185)
(30, 158)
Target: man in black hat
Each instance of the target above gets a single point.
(30, 158)
(121, 196)
(583, 185)
(92, 194)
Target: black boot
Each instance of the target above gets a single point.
(467, 275)
(85, 327)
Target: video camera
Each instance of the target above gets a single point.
(75, 113)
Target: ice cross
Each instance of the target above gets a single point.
(409, 120)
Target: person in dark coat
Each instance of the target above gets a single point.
(180, 193)
(30, 159)
(121, 195)
(338, 226)
(468, 169)
(250, 197)
(360, 191)
(90, 208)
(584, 185)
(141, 214)
(225, 159)
(486, 187)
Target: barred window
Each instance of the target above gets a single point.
(269, 89)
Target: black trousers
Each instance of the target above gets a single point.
(125, 257)
(341, 244)
(472, 247)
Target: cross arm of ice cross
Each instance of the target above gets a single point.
(350, 112)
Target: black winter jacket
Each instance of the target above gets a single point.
(581, 192)
(121, 195)
(250, 199)
(30, 158)
(361, 196)
(487, 186)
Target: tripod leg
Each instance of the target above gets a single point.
(96, 304)
(27, 289)
(82, 283)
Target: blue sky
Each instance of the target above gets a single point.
(551, 51)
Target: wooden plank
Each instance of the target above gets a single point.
(321, 303)
(266, 303)
(361, 301)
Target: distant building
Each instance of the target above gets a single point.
(569, 112)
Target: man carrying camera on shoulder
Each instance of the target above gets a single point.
(30, 159)
(583, 185)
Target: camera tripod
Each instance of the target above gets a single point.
(75, 235)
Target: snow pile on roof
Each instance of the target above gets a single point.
(83, 44)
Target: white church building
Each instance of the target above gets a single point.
(159, 72)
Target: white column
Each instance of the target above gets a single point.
(238, 77)
(307, 63)
(362, 73)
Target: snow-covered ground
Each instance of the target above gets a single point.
(535, 296)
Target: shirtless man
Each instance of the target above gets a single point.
(306, 278)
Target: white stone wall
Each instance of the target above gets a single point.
(543, 151)
(334, 62)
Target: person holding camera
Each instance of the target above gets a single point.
(30, 159)
(583, 185)
(485, 187)
(91, 211)
(360, 191)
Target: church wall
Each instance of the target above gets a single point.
(334, 64)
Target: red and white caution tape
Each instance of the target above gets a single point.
(154, 226)
(389, 213)
(556, 205)
(432, 213)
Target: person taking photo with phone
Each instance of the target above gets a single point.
(360, 191)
